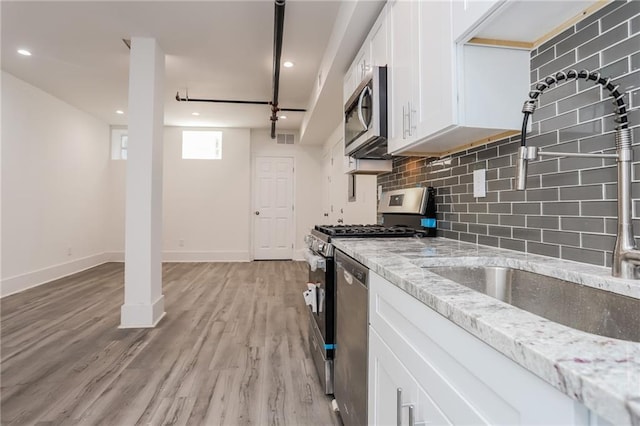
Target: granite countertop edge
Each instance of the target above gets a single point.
(600, 372)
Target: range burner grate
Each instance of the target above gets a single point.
(366, 231)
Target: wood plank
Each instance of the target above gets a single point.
(231, 350)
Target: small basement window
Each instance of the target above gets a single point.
(119, 142)
(201, 145)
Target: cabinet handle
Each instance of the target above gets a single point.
(399, 407)
(412, 125)
(405, 128)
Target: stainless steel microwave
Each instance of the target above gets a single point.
(365, 118)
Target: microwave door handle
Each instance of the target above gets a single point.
(365, 126)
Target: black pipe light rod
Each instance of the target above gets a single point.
(278, 31)
(220, 101)
(233, 101)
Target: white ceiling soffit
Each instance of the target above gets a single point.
(215, 49)
(325, 109)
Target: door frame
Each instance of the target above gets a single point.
(253, 204)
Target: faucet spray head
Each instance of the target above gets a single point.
(525, 153)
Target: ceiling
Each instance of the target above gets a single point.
(214, 49)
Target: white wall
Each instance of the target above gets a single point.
(363, 209)
(55, 161)
(206, 203)
(307, 180)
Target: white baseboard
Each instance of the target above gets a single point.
(115, 256)
(192, 256)
(206, 256)
(298, 254)
(18, 283)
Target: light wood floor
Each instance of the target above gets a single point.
(231, 350)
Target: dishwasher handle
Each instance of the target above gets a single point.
(356, 270)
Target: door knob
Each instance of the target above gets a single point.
(257, 213)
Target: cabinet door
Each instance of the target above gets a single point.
(380, 41)
(389, 380)
(435, 94)
(349, 84)
(362, 63)
(400, 73)
(469, 13)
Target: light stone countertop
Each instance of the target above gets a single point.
(600, 372)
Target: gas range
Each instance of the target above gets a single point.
(321, 236)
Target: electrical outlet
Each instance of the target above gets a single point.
(69, 251)
(181, 243)
(480, 183)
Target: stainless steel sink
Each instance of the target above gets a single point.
(574, 305)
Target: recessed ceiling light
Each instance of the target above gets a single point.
(287, 64)
(284, 117)
(119, 111)
(195, 113)
(24, 52)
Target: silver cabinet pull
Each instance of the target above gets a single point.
(412, 420)
(412, 125)
(399, 406)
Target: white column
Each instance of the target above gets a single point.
(143, 298)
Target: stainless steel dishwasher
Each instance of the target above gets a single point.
(350, 387)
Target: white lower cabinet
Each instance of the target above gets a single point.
(449, 375)
(395, 392)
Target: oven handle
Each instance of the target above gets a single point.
(314, 261)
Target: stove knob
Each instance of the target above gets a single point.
(321, 246)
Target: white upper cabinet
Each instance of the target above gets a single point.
(374, 52)
(443, 94)
(446, 89)
(379, 40)
(403, 59)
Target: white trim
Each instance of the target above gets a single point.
(115, 256)
(298, 254)
(206, 256)
(18, 283)
(142, 316)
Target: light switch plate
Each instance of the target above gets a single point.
(480, 183)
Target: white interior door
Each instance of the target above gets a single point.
(273, 208)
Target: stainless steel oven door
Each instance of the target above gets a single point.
(318, 277)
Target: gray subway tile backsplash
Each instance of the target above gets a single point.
(576, 101)
(558, 237)
(635, 25)
(603, 41)
(599, 208)
(582, 255)
(584, 192)
(599, 13)
(561, 179)
(604, 175)
(581, 37)
(620, 50)
(569, 209)
(609, 21)
(560, 63)
(543, 249)
(582, 224)
(543, 222)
